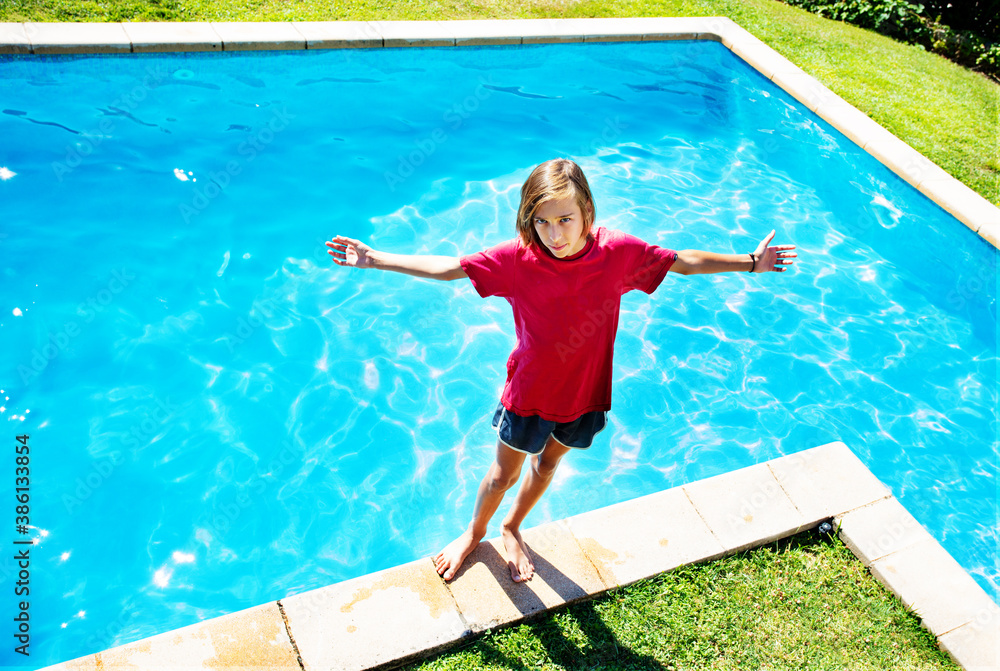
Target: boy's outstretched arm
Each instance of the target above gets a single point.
(354, 253)
(764, 259)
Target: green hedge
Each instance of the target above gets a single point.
(908, 22)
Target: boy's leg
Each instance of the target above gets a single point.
(501, 476)
(540, 473)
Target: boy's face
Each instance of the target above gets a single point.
(559, 224)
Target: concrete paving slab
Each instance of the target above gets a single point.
(88, 663)
(534, 31)
(671, 27)
(644, 537)
(77, 38)
(257, 634)
(961, 202)
(852, 122)
(377, 618)
(879, 529)
(975, 646)
(587, 30)
(910, 164)
(904, 160)
(414, 33)
(827, 480)
(13, 39)
(641, 28)
(647, 28)
(678, 28)
(745, 508)
(929, 580)
(263, 36)
(338, 34)
(484, 32)
(990, 231)
(883, 145)
(806, 89)
(731, 34)
(171, 36)
(714, 37)
(489, 598)
(763, 58)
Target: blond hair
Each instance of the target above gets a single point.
(553, 180)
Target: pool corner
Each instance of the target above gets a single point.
(407, 612)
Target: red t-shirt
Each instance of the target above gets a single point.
(565, 316)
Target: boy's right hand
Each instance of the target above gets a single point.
(350, 252)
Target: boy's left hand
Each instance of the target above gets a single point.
(768, 258)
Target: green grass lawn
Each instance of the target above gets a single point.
(947, 113)
(801, 604)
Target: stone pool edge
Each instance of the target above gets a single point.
(950, 194)
(407, 612)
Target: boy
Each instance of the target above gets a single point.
(564, 279)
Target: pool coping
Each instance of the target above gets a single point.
(408, 612)
(949, 193)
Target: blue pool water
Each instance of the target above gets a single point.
(219, 417)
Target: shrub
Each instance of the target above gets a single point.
(908, 22)
(979, 16)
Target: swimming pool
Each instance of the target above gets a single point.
(219, 417)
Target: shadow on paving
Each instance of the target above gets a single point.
(603, 649)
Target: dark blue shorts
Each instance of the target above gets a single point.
(529, 434)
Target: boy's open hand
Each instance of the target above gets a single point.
(349, 252)
(768, 258)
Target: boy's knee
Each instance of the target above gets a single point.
(500, 481)
(544, 469)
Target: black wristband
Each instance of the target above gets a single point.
(754, 259)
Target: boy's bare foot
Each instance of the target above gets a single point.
(450, 559)
(518, 559)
